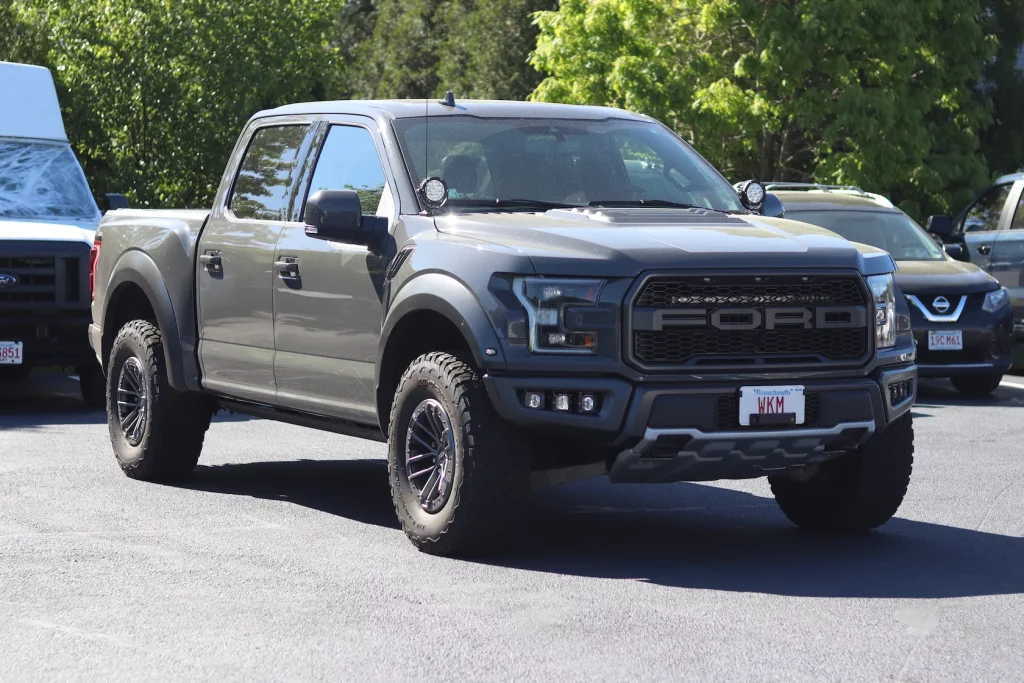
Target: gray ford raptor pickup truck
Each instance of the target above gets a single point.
(508, 294)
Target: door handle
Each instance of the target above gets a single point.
(985, 250)
(211, 262)
(287, 269)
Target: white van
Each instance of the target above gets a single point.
(48, 221)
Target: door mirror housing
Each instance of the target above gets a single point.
(114, 201)
(773, 207)
(957, 252)
(940, 225)
(338, 215)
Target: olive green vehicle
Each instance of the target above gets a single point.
(509, 295)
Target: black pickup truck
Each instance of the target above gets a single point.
(508, 294)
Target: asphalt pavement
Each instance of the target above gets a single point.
(281, 560)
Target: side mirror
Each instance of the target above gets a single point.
(957, 252)
(773, 207)
(338, 215)
(115, 201)
(940, 225)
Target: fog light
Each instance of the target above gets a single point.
(556, 339)
(587, 403)
(562, 402)
(533, 399)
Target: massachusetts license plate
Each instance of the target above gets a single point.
(772, 405)
(10, 353)
(946, 340)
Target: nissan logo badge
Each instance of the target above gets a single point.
(7, 280)
(941, 304)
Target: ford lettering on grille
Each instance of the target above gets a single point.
(739, 320)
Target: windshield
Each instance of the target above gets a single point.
(559, 162)
(43, 181)
(904, 239)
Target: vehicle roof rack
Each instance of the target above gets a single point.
(837, 189)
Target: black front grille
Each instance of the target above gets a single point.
(790, 290)
(686, 337)
(46, 275)
(727, 415)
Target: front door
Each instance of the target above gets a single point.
(1007, 263)
(328, 295)
(982, 221)
(236, 272)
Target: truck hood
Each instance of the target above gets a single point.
(34, 231)
(943, 277)
(626, 242)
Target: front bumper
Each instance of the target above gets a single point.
(690, 431)
(57, 338)
(987, 347)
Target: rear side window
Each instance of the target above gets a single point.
(268, 174)
(984, 215)
(1018, 216)
(349, 161)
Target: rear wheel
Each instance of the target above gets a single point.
(977, 385)
(460, 476)
(856, 492)
(157, 432)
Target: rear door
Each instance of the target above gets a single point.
(327, 294)
(982, 221)
(236, 272)
(1007, 262)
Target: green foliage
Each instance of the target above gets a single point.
(155, 92)
(878, 93)
(1003, 143)
(478, 48)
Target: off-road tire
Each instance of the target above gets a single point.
(175, 422)
(977, 385)
(491, 481)
(92, 385)
(856, 492)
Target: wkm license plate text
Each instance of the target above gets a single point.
(757, 401)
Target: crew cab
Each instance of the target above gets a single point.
(508, 294)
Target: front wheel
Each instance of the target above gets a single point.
(459, 475)
(978, 386)
(857, 492)
(157, 432)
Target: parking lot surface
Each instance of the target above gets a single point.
(281, 560)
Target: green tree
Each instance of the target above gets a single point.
(478, 48)
(1003, 141)
(155, 93)
(878, 93)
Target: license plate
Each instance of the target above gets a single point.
(771, 405)
(946, 340)
(10, 353)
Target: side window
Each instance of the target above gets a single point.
(1018, 215)
(984, 215)
(266, 178)
(348, 161)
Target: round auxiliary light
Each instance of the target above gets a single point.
(434, 192)
(753, 194)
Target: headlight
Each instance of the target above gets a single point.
(996, 300)
(884, 301)
(551, 305)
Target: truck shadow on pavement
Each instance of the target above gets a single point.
(677, 535)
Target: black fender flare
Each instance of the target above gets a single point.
(137, 268)
(450, 298)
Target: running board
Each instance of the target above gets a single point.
(295, 417)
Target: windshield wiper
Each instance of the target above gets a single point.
(509, 204)
(661, 203)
